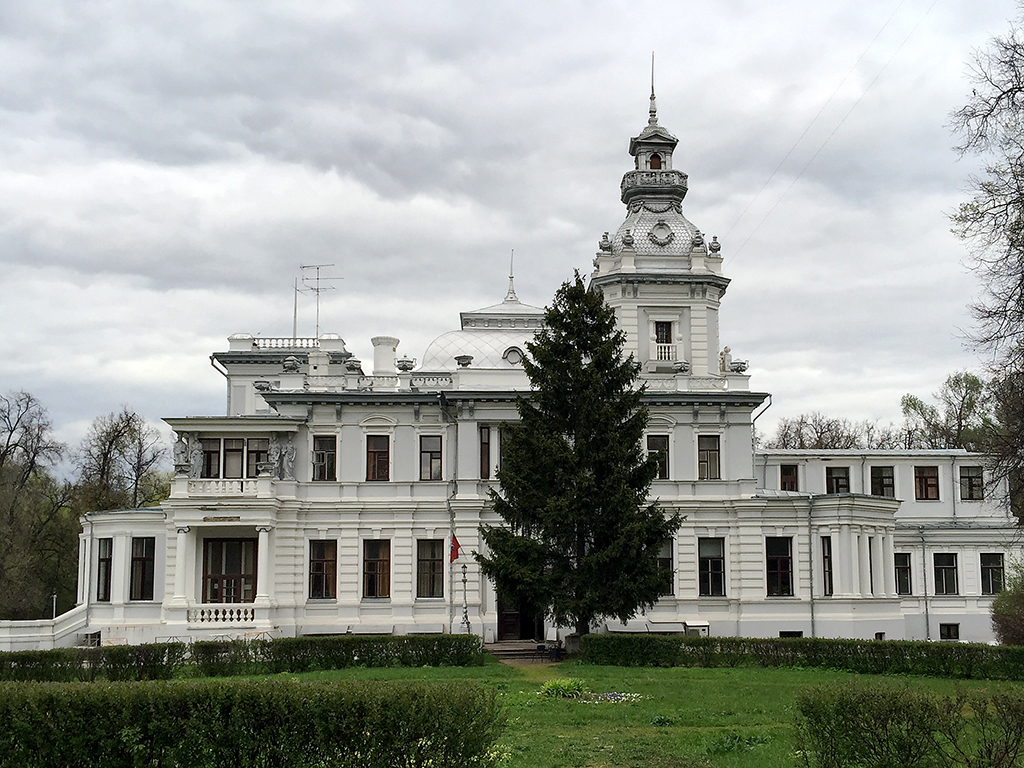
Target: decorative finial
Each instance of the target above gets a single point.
(653, 119)
(511, 295)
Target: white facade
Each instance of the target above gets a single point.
(326, 500)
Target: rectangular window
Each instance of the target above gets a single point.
(837, 479)
(257, 452)
(657, 446)
(325, 458)
(788, 480)
(430, 457)
(826, 566)
(991, 573)
(323, 569)
(234, 452)
(485, 453)
(708, 463)
(779, 562)
(229, 570)
(926, 483)
(901, 561)
(945, 574)
(430, 568)
(883, 482)
(792, 633)
(665, 564)
(662, 332)
(377, 568)
(378, 458)
(711, 567)
(972, 484)
(949, 631)
(211, 458)
(143, 569)
(104, 564)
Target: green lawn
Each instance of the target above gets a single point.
(720, 718)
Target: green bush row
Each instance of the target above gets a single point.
(880, 657)
(308, 654)
(226, 724)
(157, 661)
(163, 661)
(859, 725)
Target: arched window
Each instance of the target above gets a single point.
(655, 162)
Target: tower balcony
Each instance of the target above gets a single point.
(667, 184)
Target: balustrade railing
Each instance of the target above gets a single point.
(264, 342)
(666, 352)
(235, 613)
(222, 487)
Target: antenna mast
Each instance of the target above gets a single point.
(312, 284)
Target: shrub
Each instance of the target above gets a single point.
(214, 724)
(564, 688)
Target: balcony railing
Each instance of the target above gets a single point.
(264, 342)
(234, 613)
(665, 352)
(222, 487)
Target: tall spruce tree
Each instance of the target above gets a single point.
(581, 540)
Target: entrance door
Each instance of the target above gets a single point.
(525, 623)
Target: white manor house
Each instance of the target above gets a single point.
(327, 499)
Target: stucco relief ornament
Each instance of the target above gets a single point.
(274, 454)
(627, 239)
(661, 234)
(291, 364)
(288, 459)
(405, 364)
(681, 366)
(195, 458)
(715, 246)
(605, 244)
(655, 208)
(698, 240)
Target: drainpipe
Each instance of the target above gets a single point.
(442, 402)
(863, 476)
(924, 587)
(810, 550)
(953, 483)
(753, 442)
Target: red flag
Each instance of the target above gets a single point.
(455, 549)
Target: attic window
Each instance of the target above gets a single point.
(655, 162)
(513, 355)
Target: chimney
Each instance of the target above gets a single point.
(384, 348)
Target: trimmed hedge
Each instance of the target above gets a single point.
(267, 723)
(879, 657)
(163, 661)
(869, 725)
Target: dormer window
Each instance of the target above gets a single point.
(655, 162)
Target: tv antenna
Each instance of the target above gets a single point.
(310, 284)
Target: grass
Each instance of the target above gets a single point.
(686, 718)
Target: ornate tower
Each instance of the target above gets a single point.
(660, 275)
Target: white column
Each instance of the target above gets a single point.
(888, 565)
(865, 564)
(263, 565)
(180, 565)
(844, 558)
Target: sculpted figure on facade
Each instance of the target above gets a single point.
(275, 456)
(195, 457)
(288, 459)
(181, 458)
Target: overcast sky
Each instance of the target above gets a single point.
(165, 169)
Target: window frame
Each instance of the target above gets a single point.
(949, 632)
(974, 487)
(104, 568)
(709, 459)
(837, 480)
(431, 466)
(376, 569)
(903, 566)
(993, 574)
(827, 584)
(430, 569)
(323, 569)
(325, 459)
(883, 485)
(789, 480)
(378, 460)
(485, 451)
(779, 568)
(256, 455)
(666, 562)
(711, 569)
(926, 483)
(142, 573)
(945, 573)
(662, 454)
(662, 331)
(211, 447)
(246, 579)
